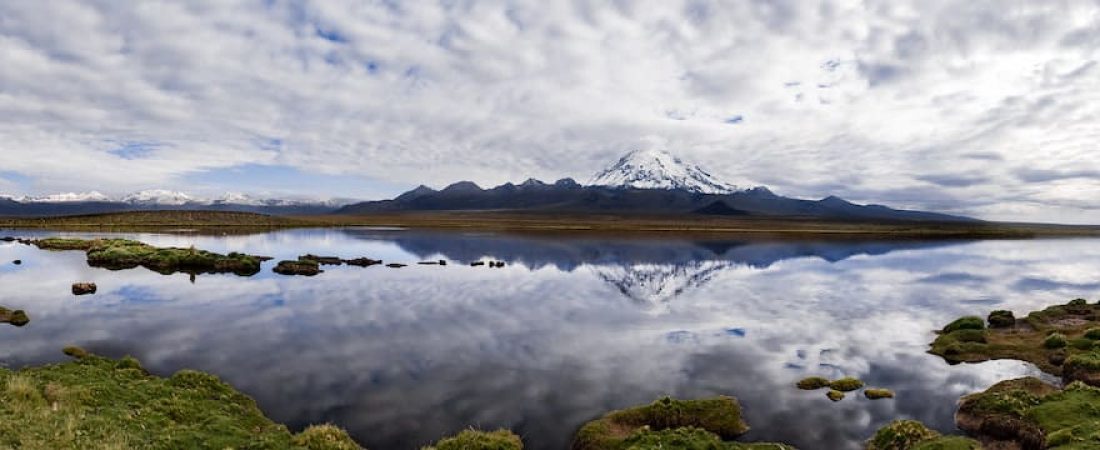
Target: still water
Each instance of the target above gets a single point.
(569, 329)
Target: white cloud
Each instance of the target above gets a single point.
(875, 100)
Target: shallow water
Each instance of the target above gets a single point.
(571, 328)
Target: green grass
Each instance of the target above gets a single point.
(118, 254)
(100, 403)
(480, 440)
(1035, 414)
(948, 443)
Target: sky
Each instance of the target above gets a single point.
(987, 108)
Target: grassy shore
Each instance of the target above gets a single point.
(791, 227)
(100, 403)
(545, 223)
(200, 221)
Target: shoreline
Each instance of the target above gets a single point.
(211, 222)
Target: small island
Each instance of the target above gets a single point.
(119, 254)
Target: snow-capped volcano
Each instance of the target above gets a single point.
(656, 169)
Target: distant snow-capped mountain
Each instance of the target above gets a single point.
(656, 169)
(66, 197)
(158, 197)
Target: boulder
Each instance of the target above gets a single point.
(84, 288)
(304, 267)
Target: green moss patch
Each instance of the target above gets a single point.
(118, 254)
(480, 440)
(720, 416)
(876, 393)
(1001, 319)
(100, 403)
(305, 267)
(846, 384)
(690, 438)
(835, 395)
(812, 383)
(965, 323)
(15, 317)
(1046, 338)
(1032, 414)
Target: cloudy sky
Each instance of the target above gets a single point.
(989, 108)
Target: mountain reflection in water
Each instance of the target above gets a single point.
(569, 329)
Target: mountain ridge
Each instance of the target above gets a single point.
(640, 182)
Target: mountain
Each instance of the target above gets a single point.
(641, 182)
(656, 169)
(158, 199)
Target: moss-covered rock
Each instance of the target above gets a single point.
(1001, 319)
(846, 384)
(84, 288)
(305, 267)
(480, 440)
(15, 317)
(1030, 414)
(835, 395)
(690, 438)
(323, 260)
(1047, 338)
(965, 323)
(901, 435)
(720, 416)
(812, 383)
(878, 393)
(1055, 340)
(101, 403)
(948, 443)
(118, 254)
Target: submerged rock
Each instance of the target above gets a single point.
(84, 288)
(17, 262)
(305, 267)
(396, 265)
(429, 263)
(7, 239)
(323, 260)
(15, 317)
(477, 263)
(362, 262)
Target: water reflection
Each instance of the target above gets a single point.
(403, 356)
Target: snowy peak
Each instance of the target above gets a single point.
(68, 197)
(158, 197)
(656, 169)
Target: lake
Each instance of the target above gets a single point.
(571, 328)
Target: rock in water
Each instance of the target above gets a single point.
(84, 288)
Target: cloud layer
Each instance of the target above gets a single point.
(987, 108)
